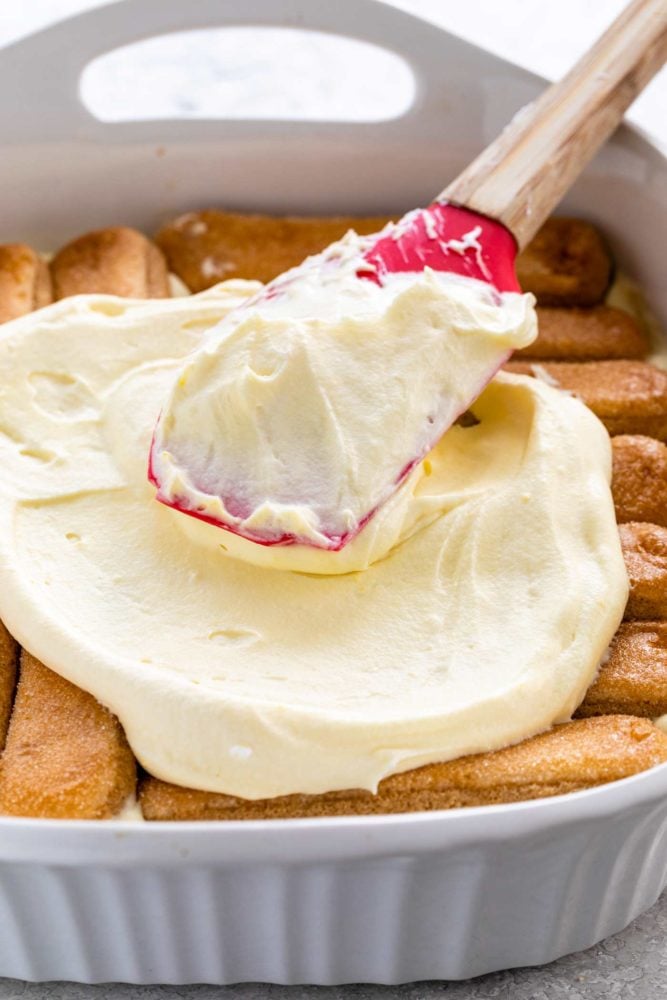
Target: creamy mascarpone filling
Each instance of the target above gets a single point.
(482, 625)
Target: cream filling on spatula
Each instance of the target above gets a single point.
(303, 413)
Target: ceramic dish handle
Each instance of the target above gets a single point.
(41, 73)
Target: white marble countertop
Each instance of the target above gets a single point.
(542, 36)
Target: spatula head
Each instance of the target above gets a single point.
(445, 237)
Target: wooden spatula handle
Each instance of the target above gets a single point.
(520, 178)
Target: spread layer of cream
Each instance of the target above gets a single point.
(302, 413)
(483, 625)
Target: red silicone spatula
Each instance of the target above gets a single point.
(514, 185)
(473, 229)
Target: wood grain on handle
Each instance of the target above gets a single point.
(520, 178)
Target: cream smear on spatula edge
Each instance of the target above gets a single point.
(307, 409)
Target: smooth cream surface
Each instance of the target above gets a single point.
(301, 413)
(483, 624)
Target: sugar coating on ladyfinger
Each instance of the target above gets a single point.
(639, 479)
(206, 247)
(601, 333)
(114, 261)
(629, 397)
(25, 282)
(66, 757)
(645, 553)
(633, 675)
(566, 264)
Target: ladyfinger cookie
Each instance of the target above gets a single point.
(114, 261)
(597, 334)
(629, 397)
(633, 677)
(565, 264)
(206, 247)
(66, 756)
(9, 652)
(639, 479)
(645, 553)
(25, 282)
(568, 758)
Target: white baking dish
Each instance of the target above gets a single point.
(379, 899)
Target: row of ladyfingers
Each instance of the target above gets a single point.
(567, 266)
(66, 756)
(115, 261)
